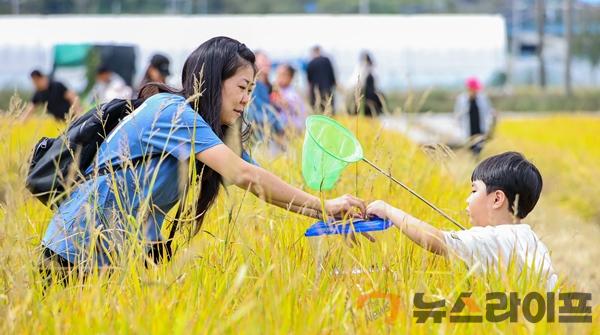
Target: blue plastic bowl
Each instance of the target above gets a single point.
(358, 226)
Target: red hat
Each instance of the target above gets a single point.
(473, 83)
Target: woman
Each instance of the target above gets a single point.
(157, 71)
(373, 105)
(363, 80)
(91, 227)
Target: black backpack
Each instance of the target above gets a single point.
(60, 162)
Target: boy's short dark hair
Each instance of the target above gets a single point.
(103, 68)
(513, 174)
(36, 74)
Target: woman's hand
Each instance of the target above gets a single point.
(345, 205)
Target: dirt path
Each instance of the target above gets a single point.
(574, 245)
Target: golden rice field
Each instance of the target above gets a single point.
(251, 271)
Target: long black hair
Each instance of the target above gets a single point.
(202, 78)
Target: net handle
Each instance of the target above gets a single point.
(435, 208)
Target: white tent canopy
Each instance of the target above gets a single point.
(409, 51)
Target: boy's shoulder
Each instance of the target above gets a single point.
(502, 228)
(520, 230)
(489, 240)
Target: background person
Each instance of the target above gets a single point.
(372, 100)
(364, 78)
(108, 86)
(475, 114)
(261, 114)
(287, 100)
(157, 71)
(321, 80)
(54, 94)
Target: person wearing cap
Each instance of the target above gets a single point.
(475, 115)
(157, 71)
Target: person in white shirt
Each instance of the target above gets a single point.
(505, 188)
(109, 86)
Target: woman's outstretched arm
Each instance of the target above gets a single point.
(271, 188)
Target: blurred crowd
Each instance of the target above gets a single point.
(278, 109)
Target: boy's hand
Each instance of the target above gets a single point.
(380, 209)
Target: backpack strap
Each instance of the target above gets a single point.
(163, 250)
(174, 225)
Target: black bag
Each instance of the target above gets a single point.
(59, 162)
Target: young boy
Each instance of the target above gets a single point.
(504, 189)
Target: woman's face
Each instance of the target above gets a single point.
(155, 75)
(235, 94)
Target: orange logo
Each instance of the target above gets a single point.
(393, 299)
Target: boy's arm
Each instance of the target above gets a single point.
(418, 231)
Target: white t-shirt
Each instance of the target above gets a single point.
(116, 88)
(485, 247)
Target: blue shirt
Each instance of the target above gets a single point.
(101, 212)
(261, 113)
